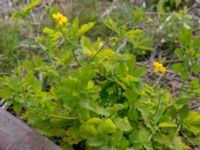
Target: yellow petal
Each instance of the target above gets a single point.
(156, 69)
(155, 63)
(163, 69)
(60, 18)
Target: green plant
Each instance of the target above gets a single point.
(188, 54)
(167, 33)
(8, 46)
(84, 92)
(132, 40)
(169, 5)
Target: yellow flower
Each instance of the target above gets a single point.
(60, 19)
(159, 67)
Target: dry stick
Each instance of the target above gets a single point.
(2, 101)
(173, 90)
(6, 105)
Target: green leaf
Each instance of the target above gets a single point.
(132, 96)
(180, 68)
(167, 125)
(65, 145)
(75, 24)
(140, 71)
(59, 132)
(28, 65)
(95, 142)
(184, 111)
(117, 136)
(195, 68)
(31, 5)
(181, 54)
(185, 37)
(186, 147)
(164, 139)
(38, 61)
(107, 126)
(131, 64)
(192, 122)
(145, 114)
(110, 23)
(88, 131)
(134, 33)
(85, 41)
(178, 2)
(140, 136)
(17, 107)
(5, 93)
(33, 82)
(48, 31)
(177, 143)
(138, 15)
(86, 27)
(123, 124)
(132, 113)
(160, 7)
(197, 139)
(27, 8)
(95, 121)
(88, 105)
(196, 42)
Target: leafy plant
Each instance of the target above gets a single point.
(9, 43)
(188, 54)
(84, 92)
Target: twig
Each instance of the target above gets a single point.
(6, 105)
(108, 11)
(2, 102)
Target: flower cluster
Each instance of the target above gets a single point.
(159, 67)
(60, 19)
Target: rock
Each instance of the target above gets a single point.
(16, 135)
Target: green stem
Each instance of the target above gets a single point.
(158, 80)
(73, 52)
(188, 138)
(45, 113)
(159, 102)
(99, 50)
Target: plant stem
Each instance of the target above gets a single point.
(158, 80)
(45, 113)
(189, 140)
(73, 52)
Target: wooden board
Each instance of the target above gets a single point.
(16, 135)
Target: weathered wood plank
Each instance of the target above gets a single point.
(16, 135)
